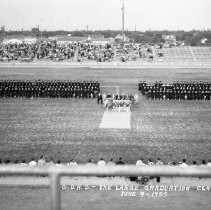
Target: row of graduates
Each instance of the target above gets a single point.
(45, 88)
(179, 85)
(178, 95)
(177, 90)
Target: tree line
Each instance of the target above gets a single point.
(192, 38)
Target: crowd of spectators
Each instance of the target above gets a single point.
(42, 161)
(99, 53)
(36, 51)
(176, 91)
(49, 88)
(51, 51)
(75, 51)
(16, 51)
(133, 52)
(33, 162)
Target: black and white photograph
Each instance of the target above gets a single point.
(105, 104)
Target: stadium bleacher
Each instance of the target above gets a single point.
(203, 54)
(176, 54)
(83, 52)
(185, 54)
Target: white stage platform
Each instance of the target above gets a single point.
(119, 120)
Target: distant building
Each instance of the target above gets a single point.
(36, 31)
(170, 39)
(99, 40)
(119, 39)
(44, 39)
(94, 36)
(70, 39)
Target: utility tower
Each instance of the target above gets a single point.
(123, 18)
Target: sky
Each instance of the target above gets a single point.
(105, 14)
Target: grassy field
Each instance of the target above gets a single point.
(69, 128)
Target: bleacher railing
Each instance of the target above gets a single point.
(55, 173)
